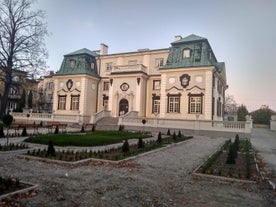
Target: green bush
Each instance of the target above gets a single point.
(51, 150)
(174, 137)
(232, 154)
(56, 130)
(125, 147)
(2, 132)
(141, 143)
(24, 132)
(179, 134)
(159, 138)
(169, 132)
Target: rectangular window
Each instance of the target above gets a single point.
(108, 66)
(159, 62)
(156, 85)
(156, 106)
(75, 102)
(50, 97)
(106, 86)
(195, 103)
(186, 53)
(61, 102)
(132, 62)
(173, 104)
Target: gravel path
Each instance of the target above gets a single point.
(162, 178)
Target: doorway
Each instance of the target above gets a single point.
(123, 106)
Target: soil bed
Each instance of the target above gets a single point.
(244, 167)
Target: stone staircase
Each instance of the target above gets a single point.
(107, 124)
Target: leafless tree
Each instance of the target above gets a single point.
(22, 35)
(230, 106)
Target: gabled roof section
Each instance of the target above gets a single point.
(81, 52)
(190, 38)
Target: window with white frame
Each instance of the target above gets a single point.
(155, 104)
(61, 102)
(108, 66)
(173, 103)
(75, 102)
(156, 85)
(106, 86)
(159, 62)
(186, 53)
(195, 104)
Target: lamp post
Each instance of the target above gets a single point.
(156, 121)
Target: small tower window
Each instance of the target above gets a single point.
(186, 53)
(72, 63)
(92, 65)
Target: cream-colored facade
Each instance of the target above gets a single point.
(184, 81)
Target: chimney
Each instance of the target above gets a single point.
(177, 37)
(103, 49)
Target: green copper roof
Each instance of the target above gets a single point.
(191, 51)
(79, 62)
(82, 51)
(190, 38)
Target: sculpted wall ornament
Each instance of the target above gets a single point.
(185, 80)
(124, 87)
(69, 84)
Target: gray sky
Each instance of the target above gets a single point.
(241, 32)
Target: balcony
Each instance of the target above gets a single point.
(129, 68)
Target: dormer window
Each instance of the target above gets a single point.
(186, 53)
(92, 65)
(72, 63)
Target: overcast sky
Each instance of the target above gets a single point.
(241, 32)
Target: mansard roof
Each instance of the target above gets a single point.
(190, 38)
(81, 52)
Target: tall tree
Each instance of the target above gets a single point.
(262, 115)
(230, 106)
(242, 112)
(22, 35)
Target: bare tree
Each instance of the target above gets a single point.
(230, 106)
(22, 33)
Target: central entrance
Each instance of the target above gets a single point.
(123, 106)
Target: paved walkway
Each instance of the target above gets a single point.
(264, 141)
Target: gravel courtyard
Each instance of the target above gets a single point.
(161, 178)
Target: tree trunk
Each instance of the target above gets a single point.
(5, 96)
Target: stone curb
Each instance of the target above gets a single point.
(220, 177)
(22, 191)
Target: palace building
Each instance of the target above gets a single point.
(184, 81)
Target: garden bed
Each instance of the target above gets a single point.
(242, 167)
(12, 147)
(115, 153)
(11, 187)
(97, 138)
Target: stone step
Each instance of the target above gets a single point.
(108, 121)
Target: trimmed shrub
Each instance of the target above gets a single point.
(82, 129)
(159, 138)
(125, 147)
(231, 158)
(174, 137)
(179, 134)
(51, 150)
(121, 128)
(24, 132)
(56, 130)
(169, 132)
(141, 143)
(2, 132)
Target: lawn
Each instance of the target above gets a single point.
(97, 138)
